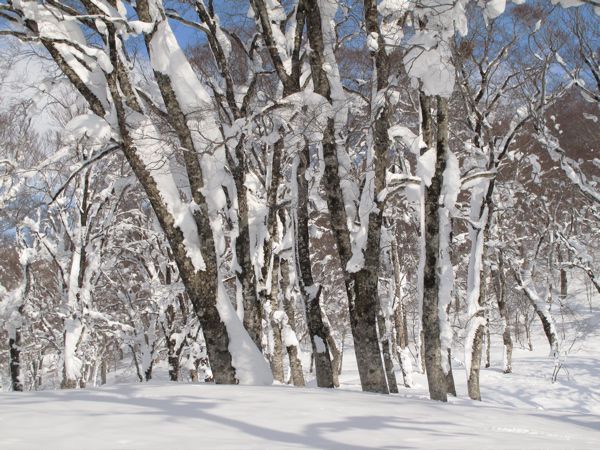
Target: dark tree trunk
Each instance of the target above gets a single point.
(310, 291)
(451, 387)
(473, 380)
(336, 358)
(548, 330)
(295, 366)
(292, 350)
(488, 344)
(148, 372)
(103, 370)
(361, 286)
(170, 336)
(564, 282)
(269, 263)
(387, 355)
(500, 284)
(38, 372)
(201, 286)
(246, 274)
(173, 360)
(276, 357)
(318, 333)
(436, 377)
(14, 345)
(137, 364)
(486, 207)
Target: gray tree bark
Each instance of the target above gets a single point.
(387, 354)
(400, 321)
(288, 306)
(245, 273)
(14, 345)
(436, 378)
(311, 292)
(276, 356)
(201, 286)
(361, 286)
(500, 284)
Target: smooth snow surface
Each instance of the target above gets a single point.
(182, 416)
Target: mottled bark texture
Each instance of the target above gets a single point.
(173, 350)
(400, 321)
(15, 338)
(387, 354)
(500, 285)
(431, 281)
(14, 345)
(544, 316)
(269, 261)
(486, 208)
(201, 286)
(450, 385)
(288, 306)
(276, 352)
(436, 378)
(361, 286)
(310, 291)
(245, 273)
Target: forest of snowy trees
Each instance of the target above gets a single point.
(221, 187)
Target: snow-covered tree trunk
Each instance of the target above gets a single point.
(77, 291)
(268, 294)
(246, 272)
(440, 196)
(500, 286)
(14, 354)
(311, 292)
(292, 344)
(541, 308)
(200, 284)
(476, 292)
(12, 309)
(426, 132)
(276, 347)
(386, 353)
(400, 320)
(172, 337)
(361, 284)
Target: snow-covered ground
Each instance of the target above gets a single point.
(521, 410)
(184, 416)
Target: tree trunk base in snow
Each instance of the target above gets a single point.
(451, 387)
(295, 366)
(14, 344)
(473, 375)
